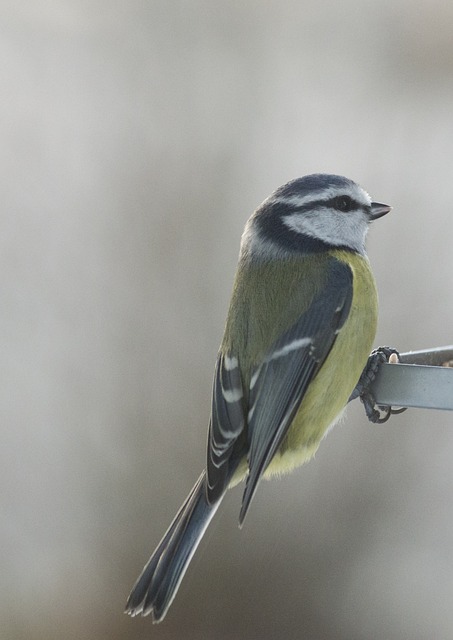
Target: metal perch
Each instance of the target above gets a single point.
(421, 379)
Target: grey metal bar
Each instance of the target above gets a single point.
(416, 385)
(436, 356)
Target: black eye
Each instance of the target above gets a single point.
(343, 203)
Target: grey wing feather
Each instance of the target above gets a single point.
(226, 425)
(280, 382)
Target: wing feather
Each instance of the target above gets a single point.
(226, 425)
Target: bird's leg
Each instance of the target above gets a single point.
(362, 391)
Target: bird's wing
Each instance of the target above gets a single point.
(279, 382)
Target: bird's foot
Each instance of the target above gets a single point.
(362, 391)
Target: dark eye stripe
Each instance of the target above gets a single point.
(344, 203)
(333, 203)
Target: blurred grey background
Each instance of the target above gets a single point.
(135, 140)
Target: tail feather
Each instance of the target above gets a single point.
(159, 581)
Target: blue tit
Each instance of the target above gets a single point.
(300, 326)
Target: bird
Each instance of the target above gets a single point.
(299, 330)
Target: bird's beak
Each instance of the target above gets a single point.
(378, 209)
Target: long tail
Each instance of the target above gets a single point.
(159, 581)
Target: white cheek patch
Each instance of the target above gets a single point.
(333, 227)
